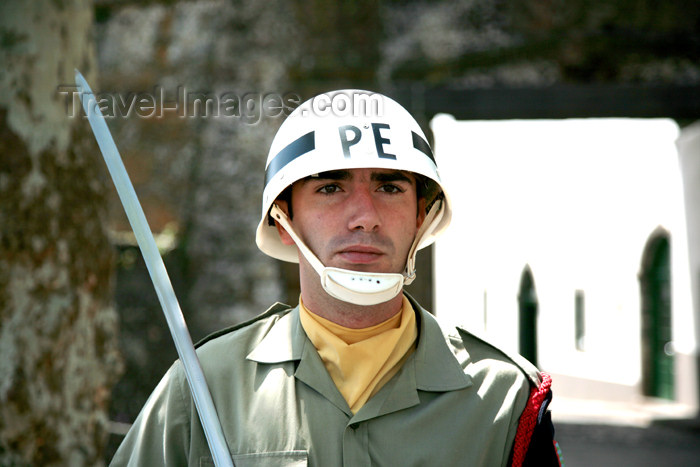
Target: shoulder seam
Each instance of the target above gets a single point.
(518, 361)
(276, 308)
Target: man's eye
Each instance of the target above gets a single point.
(390, 188)
(328, 189)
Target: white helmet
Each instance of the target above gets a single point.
(349, 129)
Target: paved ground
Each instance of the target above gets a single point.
(621, 446)
(637, 435)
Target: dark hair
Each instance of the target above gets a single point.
(286, 196)
(429, 190)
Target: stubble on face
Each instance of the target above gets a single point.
(329, 217)
(370, 232)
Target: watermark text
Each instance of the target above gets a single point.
(346, 104)
(249, 107)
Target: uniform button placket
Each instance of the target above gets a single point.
(356, 445)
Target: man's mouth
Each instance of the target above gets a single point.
(360, 254)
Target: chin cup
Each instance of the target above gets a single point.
(361, 288)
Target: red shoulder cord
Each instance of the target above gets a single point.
(528, 420)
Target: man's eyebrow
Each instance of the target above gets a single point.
(330, 175)
(393, 176)
(335, 175)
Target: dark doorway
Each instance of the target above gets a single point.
(657, 347)
(527, 306)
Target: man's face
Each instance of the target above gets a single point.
(357, 219)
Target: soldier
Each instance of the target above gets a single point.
(358, 373)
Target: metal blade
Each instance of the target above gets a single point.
(159, 276)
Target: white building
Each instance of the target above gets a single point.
(569, 244)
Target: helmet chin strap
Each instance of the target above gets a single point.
(361, 288)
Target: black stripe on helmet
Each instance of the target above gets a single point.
(296, 148)
(422, 145)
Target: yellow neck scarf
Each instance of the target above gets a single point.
(361, 361)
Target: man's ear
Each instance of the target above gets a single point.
(284, 236)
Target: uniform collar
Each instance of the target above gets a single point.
(287, 342)
(435, 367)
(284, 342)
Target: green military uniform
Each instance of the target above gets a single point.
(456, 401)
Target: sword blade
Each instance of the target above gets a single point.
(159, 276)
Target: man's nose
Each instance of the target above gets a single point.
(363, 211)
